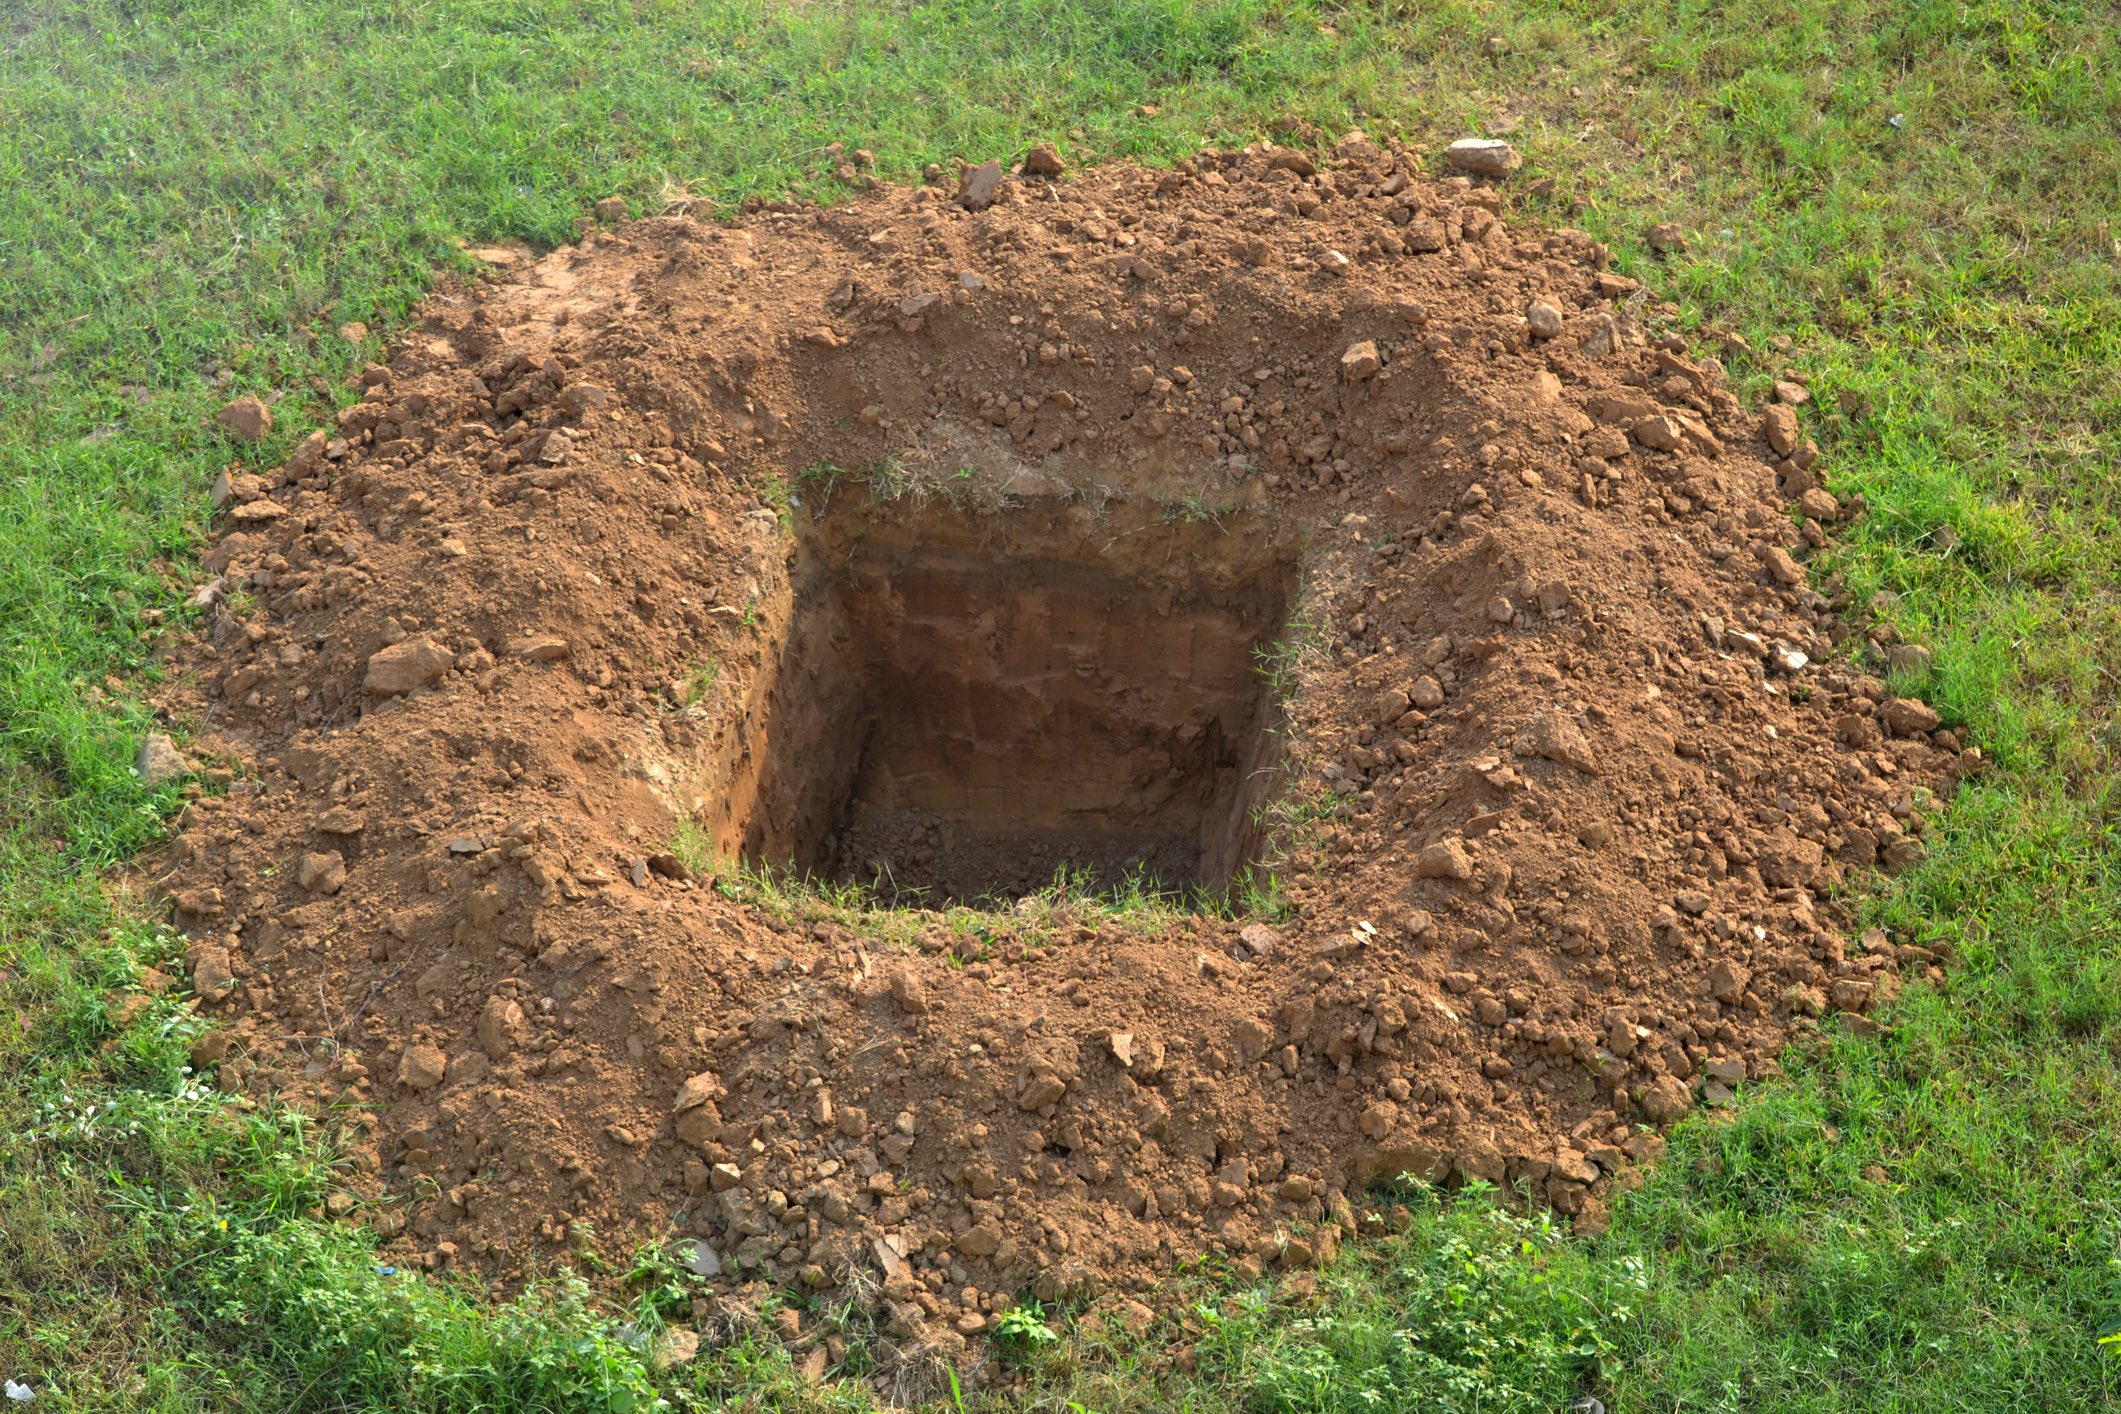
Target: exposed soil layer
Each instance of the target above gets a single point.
(1556, 759)
(971, 698)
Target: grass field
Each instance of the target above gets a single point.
(202, 198)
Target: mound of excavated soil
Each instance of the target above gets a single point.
(583, 573)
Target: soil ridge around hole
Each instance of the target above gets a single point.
(1565, 769)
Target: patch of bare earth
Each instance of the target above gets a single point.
(577, 572)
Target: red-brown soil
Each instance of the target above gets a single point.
(574, 576)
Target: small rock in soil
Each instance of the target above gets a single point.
(1851, 994)
(234, 489)
(1659, 434)
(211, 976)
(1727, 982)
(1484, 156)
(696, 1091)
(160, 761)
(1820, 505)
(1360, 361)
(907, 991)
(699, 1259)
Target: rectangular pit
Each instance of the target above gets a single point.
(967, 705)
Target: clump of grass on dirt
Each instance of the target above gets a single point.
(228, 197)
(884, 480)
(1288, 660)
(1052, 916)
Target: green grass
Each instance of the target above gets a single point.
(196, 199)
(1012, 929)
(699, 681)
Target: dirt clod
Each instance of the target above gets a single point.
(1666, 237)
(247, 419)
(405, 667)
(1666, 1100)
(1557, 738)
(1446, 859)
(422, 1065)
(1042, 161)
(1905, 716)
(1778, 423)
(321, 871)
(211, 975)
(500, 1026)
(674, 1349)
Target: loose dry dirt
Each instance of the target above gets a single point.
(578, 575)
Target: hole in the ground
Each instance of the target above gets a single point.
(969, 704)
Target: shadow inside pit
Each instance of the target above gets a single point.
(964, 705)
